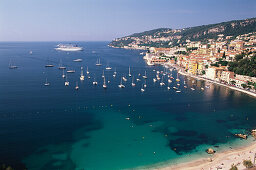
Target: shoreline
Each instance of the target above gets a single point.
(223, 159)
(218, 83)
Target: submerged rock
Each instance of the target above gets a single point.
(243, 136)
(210, 151)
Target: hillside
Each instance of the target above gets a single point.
(167, 37)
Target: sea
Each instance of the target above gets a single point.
(57, 127)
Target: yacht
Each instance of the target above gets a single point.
(61, 67)
(145, 76)
(104, 84)
(77, 87)
(46, 83)
(185, 87)
(71, 71)
(121, 84)
(49, 65)
(130, 72)
(178, 91)
(108, 68)
(11, 66)
(154, 80)
(82, 74)
(168, 88)
(192, 88)
(78, 60)
(169, 80)
(125, 79)
(68, 47)
(98, 62)
(137, 79)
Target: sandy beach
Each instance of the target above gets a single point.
(222, 160)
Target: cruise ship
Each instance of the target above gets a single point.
(68, 47)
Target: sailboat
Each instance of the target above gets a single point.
(46, 83)
(154, 80)
(94, 82)
(66, 82)
(145, 76)
(63, 75)
(103, 76)
(115, 71)
(125, 79)
(121, 84)
(162, 83)
(114, 75)
(177, 79)
(142, 89)
(130, 72)
(104, 84)
(108, 67)
(133, 84)
(82, 74)
(61, 66)
(11, 66)
(145, 85)
(87, 71)
(77, 87)
(49, 65)
(98, 62)
(71, 71)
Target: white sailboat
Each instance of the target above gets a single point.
(133, 84)
(130, 72)
(61, 66)
(145, 75)
(142, 89)
(121, 84)
(94, 82)
(77, 87)
(46, 83)
(87, 71)
(103, 76)
(82, 74)
(162, 82)
(98, 62)
(145, 85)
(104, 84)
(11, 66)
(125, 79)
(177, 79)
(115, 71)
(63, 74)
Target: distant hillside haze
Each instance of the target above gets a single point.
(167, 37)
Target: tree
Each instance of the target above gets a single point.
(203, 72)
(244, 85)
(206, 66)
(248, 163)
(233, 167)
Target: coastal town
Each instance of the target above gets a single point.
(215, 60)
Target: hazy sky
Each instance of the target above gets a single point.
(97, 20)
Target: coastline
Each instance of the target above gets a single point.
(218, 83)
(222, 159)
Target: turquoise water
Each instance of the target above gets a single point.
(57, 127)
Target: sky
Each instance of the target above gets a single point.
(104, 20)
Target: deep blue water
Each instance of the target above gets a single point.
(57, 127)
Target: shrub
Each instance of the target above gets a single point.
(233, 167)
(248, 163)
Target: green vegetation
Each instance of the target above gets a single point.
(243, 65)
(233, 167)
(248, 163)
